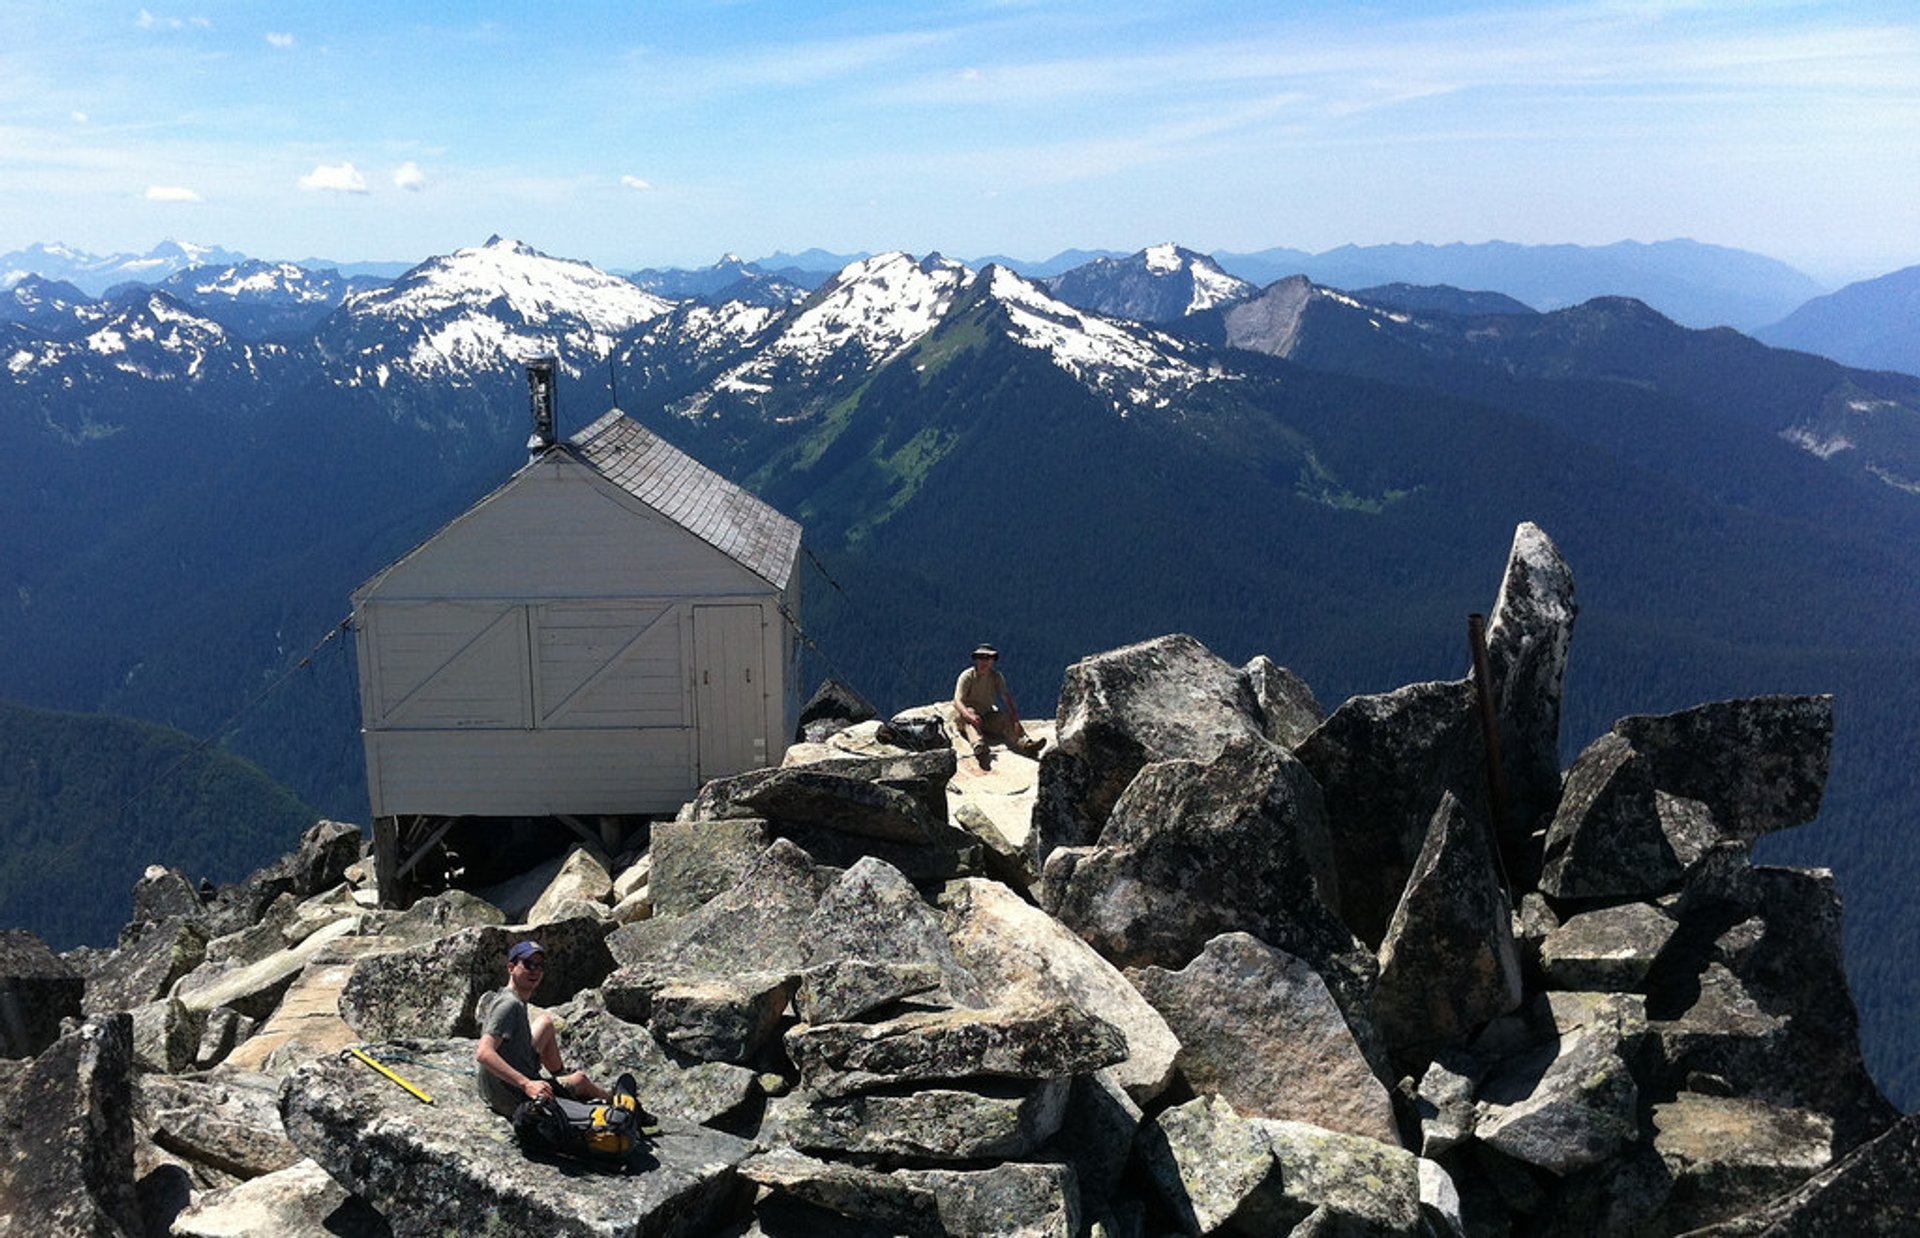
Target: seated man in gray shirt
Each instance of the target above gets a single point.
(514, 1049)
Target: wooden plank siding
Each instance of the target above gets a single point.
(560, 530)
(532, 773)
(538, 657)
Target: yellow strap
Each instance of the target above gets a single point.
(389, 1074)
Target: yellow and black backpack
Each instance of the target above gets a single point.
(606, 1132)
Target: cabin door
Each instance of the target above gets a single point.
(729, 689)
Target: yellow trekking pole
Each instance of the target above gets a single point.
(389, 1074)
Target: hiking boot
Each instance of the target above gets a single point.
(983, 755)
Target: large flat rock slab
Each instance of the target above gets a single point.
(453, 1166)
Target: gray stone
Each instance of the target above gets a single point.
(228, 1121)
(1448, 964)
(37, 990)
(1121, 710)
(256, 941)
(67, 1125)
(1727, 1155)
(1031, 1201)
(1440, 1200)
(431, 989)
(1529, 632)
(583, 877)
(1610, 950)
(325, 853)
(223, 1028)
(848, 1194)
(301, 1201)
(1021, 955)
(1383, 762)
(1610, 837)
(432, 918)
(695, 860)
(844, 989)
(454, 1166)
(164, 894)
(1193, 850)
(166, 1035)
(1444, 1102)
(820, 797)
(1288, 711)
(986, 1121)
(515, 896)
(1571, 1101)
(702, 1093)
(873, 911)
(1218, 1171)
(1215, 1170)
(1775, 934)
(1646, 801)
(1096, 1137)
(638, 874)
(833, 707)
(1875, 1189)
(145, 967)
(722, 1019)
(1259, 1028)
(256, 988)
(1016, 1199)
(922, 775)
(1758, 764)
(758, 924)
(1002, 830)
(1046, 1042)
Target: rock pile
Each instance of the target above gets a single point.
(1219, 964)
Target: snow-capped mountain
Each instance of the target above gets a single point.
(255, 298)
(1131, 365)
(485, 308)
(152, 336)
(93, 274)
(48, 307)
(855, 322)
(1163, 283)
(730, 279)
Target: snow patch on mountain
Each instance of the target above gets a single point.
(877, 306)
(1163, 259)
(491, 305)
(1133, 366)
(261, 280)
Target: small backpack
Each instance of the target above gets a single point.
(596, 1132)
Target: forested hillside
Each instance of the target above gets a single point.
(88, 801)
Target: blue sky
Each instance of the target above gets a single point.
(670, 132)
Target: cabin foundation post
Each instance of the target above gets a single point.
(386, 861)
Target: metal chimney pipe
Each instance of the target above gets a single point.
(540, 389)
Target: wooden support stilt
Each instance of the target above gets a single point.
(386, 860)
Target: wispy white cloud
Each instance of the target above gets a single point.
(275, 39)
(80, 118)
(149, 20)
(409, 177)
(634, 182)
(334, 178)
(172, 193)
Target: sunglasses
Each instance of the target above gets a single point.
(534, 964)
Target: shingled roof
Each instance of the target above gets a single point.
(690, 494)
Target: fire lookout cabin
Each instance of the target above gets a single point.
(595, 639)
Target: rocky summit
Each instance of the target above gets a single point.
(1216, 963)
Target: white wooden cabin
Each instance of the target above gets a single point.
(605, 632)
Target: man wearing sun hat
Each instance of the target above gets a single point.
(978, 712)
(515, 1048)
